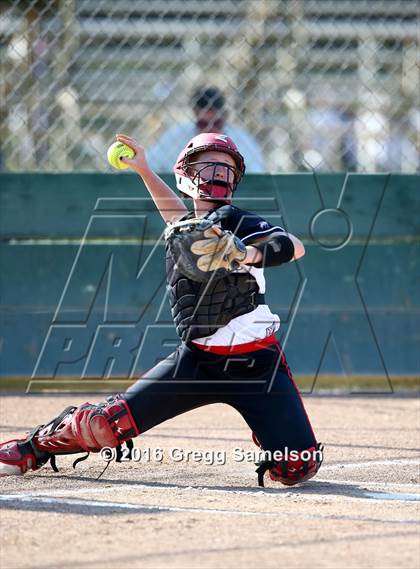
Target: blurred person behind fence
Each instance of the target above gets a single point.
(210, 115)
(330, 140)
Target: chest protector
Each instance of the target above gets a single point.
(200, 308)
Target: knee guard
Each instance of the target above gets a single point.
(298, 467)
(87, 428)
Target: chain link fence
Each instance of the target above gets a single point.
(327, 84)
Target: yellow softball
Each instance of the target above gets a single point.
(117, 151)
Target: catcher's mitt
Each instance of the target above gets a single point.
(203, 250)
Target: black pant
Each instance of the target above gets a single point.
(258, 384)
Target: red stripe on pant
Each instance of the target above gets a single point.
(239, 348)
(289, 373)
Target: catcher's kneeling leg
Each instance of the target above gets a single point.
(87, 428)
(294, 467)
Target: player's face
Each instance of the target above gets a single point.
(215, 170)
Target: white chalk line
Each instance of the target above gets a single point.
(342, 466)
(145, 508)
(298, 492)
(368, 464)
(366, 483)
(46, 496)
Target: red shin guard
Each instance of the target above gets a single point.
(87, 428)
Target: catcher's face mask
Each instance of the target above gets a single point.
(209, 168)
(213, 180)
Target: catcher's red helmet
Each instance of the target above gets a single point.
(187, 172)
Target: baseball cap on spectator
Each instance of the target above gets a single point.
(209, 108)
(208, 98)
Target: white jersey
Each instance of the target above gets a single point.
(255, 325)
(261, 322)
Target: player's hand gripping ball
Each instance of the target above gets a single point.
(119, 150)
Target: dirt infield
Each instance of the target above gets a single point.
(362, 510)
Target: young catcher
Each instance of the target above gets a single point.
(215, 260)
